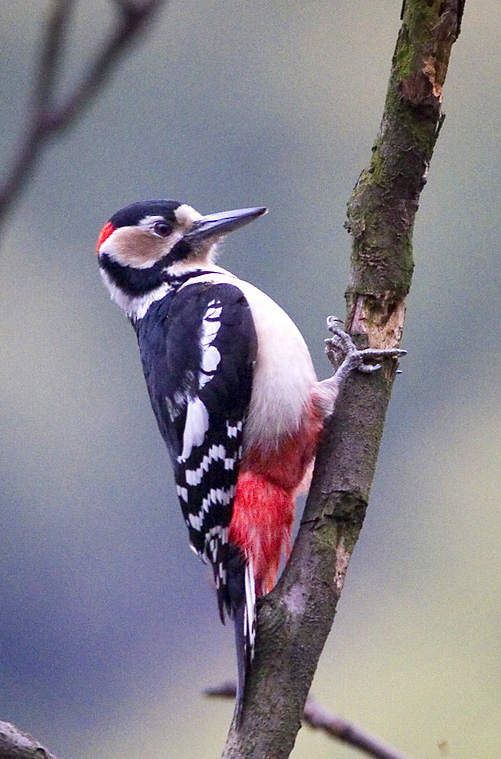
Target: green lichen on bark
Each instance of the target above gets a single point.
(383, 206)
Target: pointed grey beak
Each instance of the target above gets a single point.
(217, 224)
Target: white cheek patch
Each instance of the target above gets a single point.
(138, 246)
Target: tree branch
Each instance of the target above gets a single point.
(318, 718)
(17, 745)
(46, 117)
(295, 619)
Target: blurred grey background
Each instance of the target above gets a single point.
(108, 624)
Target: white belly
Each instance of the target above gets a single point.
(283, 375)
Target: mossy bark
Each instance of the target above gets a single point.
(385, 200)
(295, 619)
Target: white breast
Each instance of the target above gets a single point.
(283, 374)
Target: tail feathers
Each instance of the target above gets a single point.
(250, 608)
(242, 610)
(243, 658)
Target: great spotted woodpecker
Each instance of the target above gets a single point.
(233, 389)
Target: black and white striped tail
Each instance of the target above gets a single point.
(242, 593)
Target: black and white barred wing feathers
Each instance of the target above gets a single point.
(207, 415)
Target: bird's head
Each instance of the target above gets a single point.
(144, 243)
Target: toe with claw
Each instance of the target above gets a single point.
(340, 345)
(346, 357)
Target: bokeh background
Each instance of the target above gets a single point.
(108, 624)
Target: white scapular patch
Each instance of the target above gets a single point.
(210, 361)
(211, 323)
(215, 453)
(195, 427)
(210, 355)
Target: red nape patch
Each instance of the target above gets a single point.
(106, 231)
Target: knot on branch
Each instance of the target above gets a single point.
(346, 507)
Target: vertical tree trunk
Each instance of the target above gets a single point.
(295, 619)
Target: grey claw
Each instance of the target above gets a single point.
(332, 321)
(368, 368)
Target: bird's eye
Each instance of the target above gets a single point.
(162, 229)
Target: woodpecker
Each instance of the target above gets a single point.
(233, 389)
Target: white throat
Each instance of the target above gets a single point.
(136, 307)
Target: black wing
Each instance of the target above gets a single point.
(200, 382)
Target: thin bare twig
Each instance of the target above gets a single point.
(317, 717)
(50, 54)
(48, 117)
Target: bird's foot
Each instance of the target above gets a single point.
(343, 353)
(346, 357)
(340, 344)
